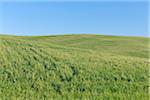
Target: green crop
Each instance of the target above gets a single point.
(74, 67)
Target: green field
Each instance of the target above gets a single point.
(74, 67)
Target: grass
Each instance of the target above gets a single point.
(72, 67)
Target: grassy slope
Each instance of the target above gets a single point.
(74, 66)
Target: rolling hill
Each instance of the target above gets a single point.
(72, 67)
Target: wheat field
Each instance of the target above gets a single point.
(74, 67)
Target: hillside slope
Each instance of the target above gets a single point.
(74, 67)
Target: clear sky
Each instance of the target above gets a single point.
(44, 18)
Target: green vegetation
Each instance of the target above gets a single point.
(68, 67)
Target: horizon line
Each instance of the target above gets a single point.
(148, 36)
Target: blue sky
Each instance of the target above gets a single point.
(44, 18)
